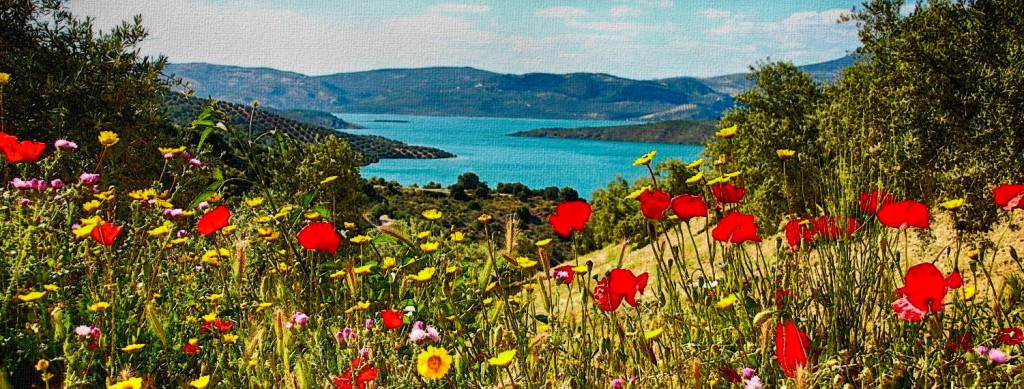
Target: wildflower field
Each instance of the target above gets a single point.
(138, 287)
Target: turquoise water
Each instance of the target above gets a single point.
(483, 148)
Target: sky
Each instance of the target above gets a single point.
(640, 39)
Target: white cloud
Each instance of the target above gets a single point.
(459, 8)
(560, 12)
(650, 3)
(712, 13)
(603, 26)
(625, 10)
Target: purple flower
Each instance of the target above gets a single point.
(345, 335)
(364, 353)
(89, 178)
(369, 324)
(57, 183)
(421, 333)
(195, 162)
(181, 234)
(754, 383)
(748, 372)
(64, 144)
(298, 319)
(34, 183)
(174, 213)
(24, 202)
(982, 350)
(203, 206)
(998, 356)
(618, 383)
(83, 331)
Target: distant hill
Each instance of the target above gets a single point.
(733, 84)
(669, 131)
(463, 91)
(319, 118)
(183, 109)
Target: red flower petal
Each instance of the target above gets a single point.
(570, 216)
(925, 288)
(904, 214)
(954, 281)
(797, 231)
(190, 349)
(687, 206)
(320, 236)
(214, 220)
(564, 273)
(1009, 196)
(736, 228)
(1011, 336)
(727, 193)
(907, 311)
(20, 152)
(106, 233)
(392, 319)
(870, 202)
(791, 346)
(653, 203)
(604, 298)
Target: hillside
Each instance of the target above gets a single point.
(463, 91)
(320, 118)
(182, 110)
(670, 131)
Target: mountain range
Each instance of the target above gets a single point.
(464, 91)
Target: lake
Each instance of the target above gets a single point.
(483, 148)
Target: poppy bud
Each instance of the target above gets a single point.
(1013, 254)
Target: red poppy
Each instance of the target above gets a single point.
(1009, 196)
(736, 228)
(687, 206)
(1011, 336)
(924, 289)
(620, 284)
(363, 374)
(791, 346)
(20, 151)
(570, 216)
(653, 203)
(799, 230)
(320, 236)
(214, 220)
(727, 193)
(564, 273)
(190, 349)
(392, 319)
(218, 324)
(960, 343)
(106, 233)
(780, 296)
(870, 202)
(904, 214)
(605, 300)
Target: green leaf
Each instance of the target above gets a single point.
(307, 198)
(218, 174)
(211, 189)
(384, 238)
(282, 144)
(202, 138)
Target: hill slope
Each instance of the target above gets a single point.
(670, 131)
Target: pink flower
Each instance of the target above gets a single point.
(754, 383)
(24, 202)
(64, 144)
(618, 383)
(89, 178)
(998, 356)
(364, 353)
(345, 335)
(907, 311)
(748, 373)
(298, 319)
(421, 333)
(369, 324)
(57, 183)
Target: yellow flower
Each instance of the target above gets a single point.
(350, 225)
(433, 363)
(161, 231)
(543, 242)
(968, 292)
(451, 269)
(525, 263)
(541, 327)
(581, 269)
(42, 365)
(645, 159)
(143, 194)
(432, 214)
(973, 254)
(263, 219)
(91, 205)
(503, 359)
(283, 212)
(31, 296)
(100, 306)
(228, 230)
(491, 287)
(51, 287)
(311, 215)
(952, 205)
(215, 197)
(726, 302)
(695, 164)
(338, 275)
(210, 316)
(360, 306)
(170, 150)
(263, 306)
(733, 174)
(254, 202)
(485, 219)
(105, 196)
(388, 263)
(636, 193)
(428, 247)
(201, 382)
(215, 296)
(457, 236)
(653, 334)
(328, 180)
(488, 301)
(5, 78)
(360, 239)
(695, 178)
(108, 138)
(718, 180)
(362, 270)
(131, 348)
(785, 153)
(727, 133)
(230, 338)
(131, 383)
(424, 275)
(83, 231)
(423, 234)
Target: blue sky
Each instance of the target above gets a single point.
(641, 39)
